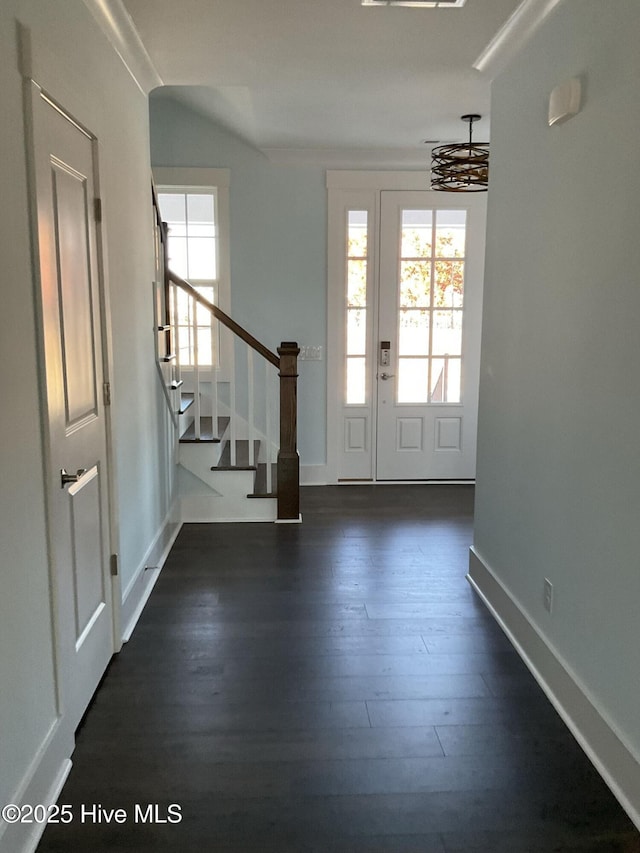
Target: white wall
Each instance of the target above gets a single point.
(27, 702)
(558, 490)
(278, 246)
(74, 62)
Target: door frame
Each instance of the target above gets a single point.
(348, 189)
(33, 92)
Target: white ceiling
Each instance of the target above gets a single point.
(327, 74)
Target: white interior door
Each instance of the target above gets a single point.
(430, 297)
(75, 428)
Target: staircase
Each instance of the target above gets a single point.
(212, 486)
(232, 402)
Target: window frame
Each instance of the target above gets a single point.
(203, 181)
(360, 189)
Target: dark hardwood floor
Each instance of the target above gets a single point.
(334, 686)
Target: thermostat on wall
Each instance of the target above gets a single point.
(564, 101)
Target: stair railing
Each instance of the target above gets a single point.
(264, 418)
(261, 416)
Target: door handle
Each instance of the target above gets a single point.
(66, 479)
(386, 376)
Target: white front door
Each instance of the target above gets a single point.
(430, 287)
(75, 428)
(405, 298)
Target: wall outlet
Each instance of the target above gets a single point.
(548, 595)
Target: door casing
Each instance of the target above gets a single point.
(34, 95)
(362, 190)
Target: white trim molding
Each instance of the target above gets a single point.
(358, 179)
(115, 22)
(42, 783)
(313, 475)
(144, 579)
(182, 179)
(36, 831)
(513, 35)
(598, 736)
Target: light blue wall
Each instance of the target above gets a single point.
(558, 461)
(278, 246)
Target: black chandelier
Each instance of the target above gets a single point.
(462, 167)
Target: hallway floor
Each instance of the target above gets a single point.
(331, 686)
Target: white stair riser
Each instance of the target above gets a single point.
(199, 457)
(212, 496)
(204, 509)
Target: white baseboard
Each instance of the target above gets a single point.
(42, 783)
(139, 588)
(54, 792)
(595, 732)
(51, 764)
(425, 483)
(313, 475)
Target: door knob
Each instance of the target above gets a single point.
(387, 375)
(66, 478)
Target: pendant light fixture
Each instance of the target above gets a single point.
(462, 167)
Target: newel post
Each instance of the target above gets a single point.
(288, 459)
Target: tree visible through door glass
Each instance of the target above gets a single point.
(357, 309)
(432, 245)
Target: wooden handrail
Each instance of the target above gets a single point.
(287, 363)
(219, 314)
(156, 206)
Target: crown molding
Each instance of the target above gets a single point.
(115, 22)
(513, 35)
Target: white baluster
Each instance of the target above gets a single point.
(175, 332)
(232, 404)
(250, 404)
(196, 369)
(267, 403)
(214, 376)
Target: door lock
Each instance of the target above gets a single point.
(66, 479)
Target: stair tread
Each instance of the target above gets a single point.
(206, 431)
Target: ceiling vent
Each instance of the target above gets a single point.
(416, 4)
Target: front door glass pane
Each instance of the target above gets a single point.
(413, 380)
(430, 303)
(414, 333)
(417, 233)
(450, 233)
(447, 333)
(357, 307)
(356, 381)
(415, 284)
